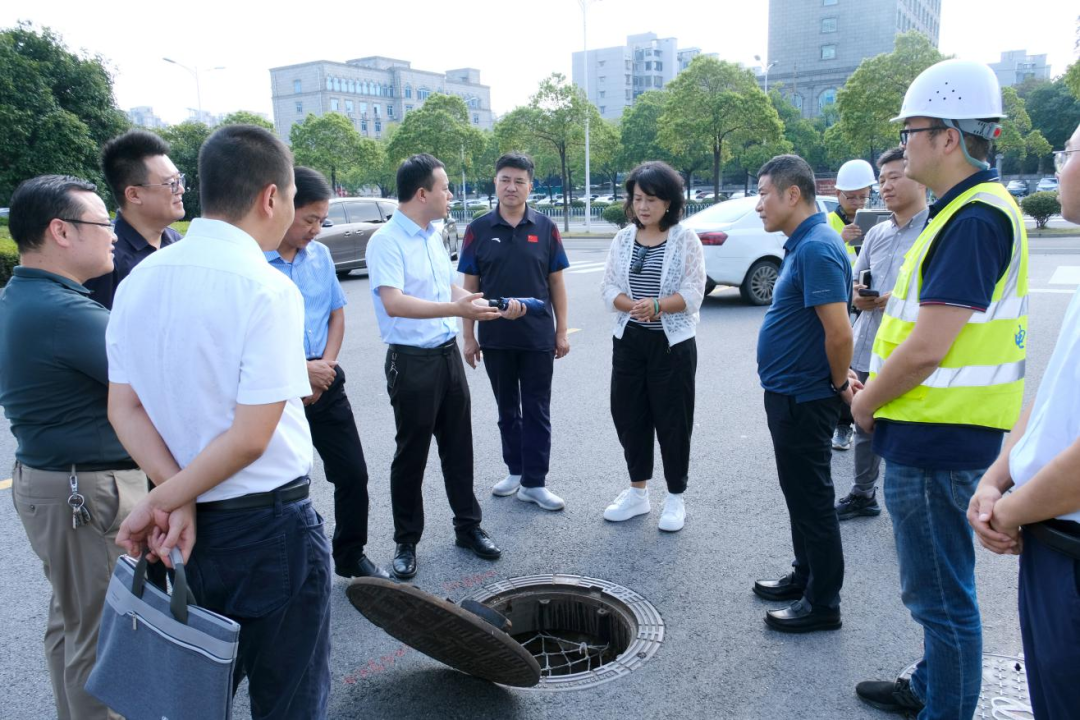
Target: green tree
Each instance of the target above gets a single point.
(1072, 79)
(56, 109)
(1054, 112)
(1015, 127)
(1041, 206)
(638, 132)
(712, 103)
(805, 138)
(440, 127)
(875, 92)
(331, 145)
(244, 117)
(185, 140)
(1038, 147)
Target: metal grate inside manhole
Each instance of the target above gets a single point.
(1004, 694)
(582, 631)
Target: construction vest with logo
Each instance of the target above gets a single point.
(980, 382)
(837, 223)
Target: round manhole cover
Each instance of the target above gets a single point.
(1004, 688)
(582, 631)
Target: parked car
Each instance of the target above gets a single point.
(1017, 188)
(606, 199)
(1047, 184)
(738, 251)
(352, 221)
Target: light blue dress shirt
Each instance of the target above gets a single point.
(412, 259)
(313, 272)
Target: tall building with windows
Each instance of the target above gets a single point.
(144, 116)
(817, 44)
(1016, 66)
(372, 92)
(617, 75)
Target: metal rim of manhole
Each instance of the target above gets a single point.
(583, 631)
(1004, 693)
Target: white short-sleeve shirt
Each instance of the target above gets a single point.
(1054, 424)
(202, 326)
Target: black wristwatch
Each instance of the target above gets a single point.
(842, 388)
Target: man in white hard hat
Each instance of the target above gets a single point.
(1041, 462)
(853, 184)
(947, 376)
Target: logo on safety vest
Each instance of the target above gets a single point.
(1020, 337)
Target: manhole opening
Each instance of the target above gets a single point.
(582, 631)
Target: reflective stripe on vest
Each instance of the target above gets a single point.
(837, 224)
(980, 381)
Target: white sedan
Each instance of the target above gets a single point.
(738, 251)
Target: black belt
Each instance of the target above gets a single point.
(1060, 535)
(290, 492)
(447, 348)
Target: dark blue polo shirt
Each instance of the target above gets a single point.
(515, 262)
(54, 373)
(791, 344)
(130, 249)
(969, 256)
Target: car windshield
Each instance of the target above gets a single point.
(724, 213)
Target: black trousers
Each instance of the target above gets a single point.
(802, 442)
(521, 381)
(652, 395)
(336, 439)
(430, 397)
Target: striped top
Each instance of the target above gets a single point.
(646, 284)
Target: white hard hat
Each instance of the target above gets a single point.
(855, 175)
(953, 90)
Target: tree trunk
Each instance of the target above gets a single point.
(689, 184)
(716, 169)
(565, 191)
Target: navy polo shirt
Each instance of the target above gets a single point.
(791, 344)
(130, 249)
(967, 259)
(515, 262)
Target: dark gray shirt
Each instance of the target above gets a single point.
(882, 254)
(54, 375)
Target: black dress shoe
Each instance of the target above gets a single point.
(361, 568)
(405, 560)
(799, 617)
(479, 542)
(783, 589)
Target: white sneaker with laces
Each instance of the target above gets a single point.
(673, 516)
(507, 486)
(542, 497)
(631, 502)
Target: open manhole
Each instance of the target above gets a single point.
(1004, 694)
(582, 631)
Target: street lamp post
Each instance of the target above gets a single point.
(767, 68)
(195, 73)
(585, 61)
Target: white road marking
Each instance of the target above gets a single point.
(1066, 275)
(1051, 290)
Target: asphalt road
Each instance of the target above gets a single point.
(718, 658)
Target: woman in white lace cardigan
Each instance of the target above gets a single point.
(654, 282)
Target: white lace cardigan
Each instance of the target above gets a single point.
(683, 272)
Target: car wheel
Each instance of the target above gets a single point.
(342, 274)
(709, 287)
(757, 286)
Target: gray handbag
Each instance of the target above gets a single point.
(159, 657)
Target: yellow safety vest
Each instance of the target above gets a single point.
(980, 382)
(837, 223)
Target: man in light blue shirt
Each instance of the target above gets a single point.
(333, 427)
(417, 303)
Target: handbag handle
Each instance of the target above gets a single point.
(181, 596)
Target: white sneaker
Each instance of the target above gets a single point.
(631, 502)
(542, 497)
(673, 516)
(507, 486)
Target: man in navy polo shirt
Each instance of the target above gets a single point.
(149, 191)
(514, 251)
(804, 352)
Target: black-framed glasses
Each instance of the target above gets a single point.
(1061, 157)
(907, 132)
(640, 251)
(174, 185)
(87, 222)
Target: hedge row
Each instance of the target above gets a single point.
(9, 257)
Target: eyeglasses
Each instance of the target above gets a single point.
(640, 251)
(174, 185)
(907, 132)
(854, 198)
(87, 222)
(1061, 157)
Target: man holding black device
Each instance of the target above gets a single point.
(875, 272)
